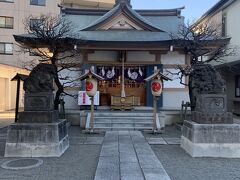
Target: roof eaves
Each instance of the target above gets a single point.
(161, 12)
(142, 12)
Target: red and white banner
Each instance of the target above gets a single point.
(84, 99)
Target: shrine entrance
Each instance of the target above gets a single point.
(110, 88)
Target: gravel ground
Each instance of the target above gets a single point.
(180, 166)
(79, 162)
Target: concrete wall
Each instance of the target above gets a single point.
(174, 92)
(8, 87)
(173, 58)
(233, 16)
(141, 57)
(232, 28)
(173, 99)
(103, 56)
(230, 88)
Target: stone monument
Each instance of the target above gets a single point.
(211, 131)
(38, 132)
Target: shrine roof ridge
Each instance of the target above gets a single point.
(129, 12)
(142, 12)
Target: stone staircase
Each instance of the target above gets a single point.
(110, 121)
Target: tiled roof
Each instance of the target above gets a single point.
(126, 9)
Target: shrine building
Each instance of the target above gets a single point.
(124, 42)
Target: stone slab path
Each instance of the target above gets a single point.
(126, 155)
(163, 141)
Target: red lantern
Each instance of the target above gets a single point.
(156, 87)
(91, 86)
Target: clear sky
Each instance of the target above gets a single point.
(193, 8)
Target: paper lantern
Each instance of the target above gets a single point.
(156, 87)
(91, 86)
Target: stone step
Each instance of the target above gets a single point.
(123, 122)
(123, 117)
(122, 125)
(121, 128)
(123, 114)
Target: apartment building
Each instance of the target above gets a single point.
(12, 15)
(226, 14)
(98, 4)
(12, 60)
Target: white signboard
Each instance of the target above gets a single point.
(84, 99)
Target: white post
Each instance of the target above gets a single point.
(123, 94)
(154, 114)
(92, 113)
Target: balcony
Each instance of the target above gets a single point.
(89, 3)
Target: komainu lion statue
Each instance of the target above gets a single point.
(204, 79)
(40, 79)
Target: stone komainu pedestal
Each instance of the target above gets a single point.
(211, 140)
(212, 109)
(211, 132)
(38, 132)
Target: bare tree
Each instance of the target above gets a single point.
(52, 39)
(204, 44)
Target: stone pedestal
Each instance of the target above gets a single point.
(211, 140)
(41, 101)
(212, 109)
(37, 139)
(212, 118)
(39, 132)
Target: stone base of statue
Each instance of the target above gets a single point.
(212, 118)
(211, 140)
(212, 109)
(39, 132)
(37, 139)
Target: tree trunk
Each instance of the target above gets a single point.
(60, 89)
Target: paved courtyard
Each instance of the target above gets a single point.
(135, 150)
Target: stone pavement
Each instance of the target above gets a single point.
(80, 161)
(126, 155)
(6, 118)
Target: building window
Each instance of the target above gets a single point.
(6, 48)
(6, 22)
(38, 2)
(224, 25)
(237, 86)
(11, 1)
